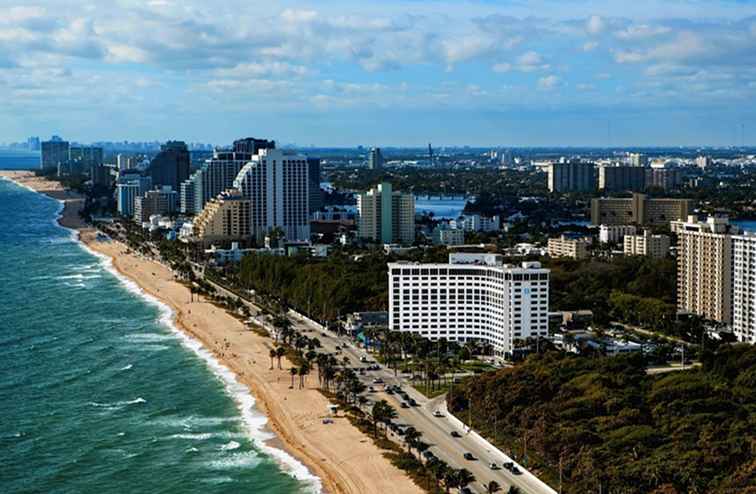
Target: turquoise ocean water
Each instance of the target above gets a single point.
(98, 392)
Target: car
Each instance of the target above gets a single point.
(493, 466)
(438, 413)
(469, 456)
(455, 434)
(378, 380)
(508, 465)
(338, 347)
(389, 391)
(413, 402)
(428, 455)
(371, 389)
(516, 470)
(404, 404)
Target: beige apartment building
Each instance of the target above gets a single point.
(386, 216)
(704, 268)
(638, 210)
(646, 244)
(575, 248)
(223, 219)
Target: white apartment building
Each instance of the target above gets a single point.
(478, 223)
(744, 287)
(615, 234)
(276, 184)
(646, 244)
(473, 297)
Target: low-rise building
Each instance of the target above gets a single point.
(443, 235)
(226, 256)
(564, 246)
(478, 223)
(615, 234)
(647, 244)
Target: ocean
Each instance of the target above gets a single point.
(100, 393)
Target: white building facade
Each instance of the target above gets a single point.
(615, 234)
(744, 287)
(276, 184)
(473, 297)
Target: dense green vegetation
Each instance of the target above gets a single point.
(619, 430)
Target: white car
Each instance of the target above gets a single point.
(438, 413)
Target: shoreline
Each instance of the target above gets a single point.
(339, 455)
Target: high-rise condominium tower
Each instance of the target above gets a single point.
(276, 184)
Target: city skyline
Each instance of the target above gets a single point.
(482, 73)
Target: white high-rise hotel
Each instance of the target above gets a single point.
(473, 297)
(275, 182)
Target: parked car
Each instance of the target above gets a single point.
(516, 470)
(455, 434)
(493, 466)
(404, 404)
(469, 456)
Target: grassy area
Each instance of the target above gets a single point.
(433, 391)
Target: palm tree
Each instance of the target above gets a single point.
(450, 479)
(464, 478)
(304, 369)
(272, 355)
(411, 436)
(280, 352)
(293, 371)
(493, 487)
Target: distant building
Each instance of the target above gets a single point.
(704, 162)
(621, 178)
(614, 234)
(375, 159)
(478, 223)
(170, 166)
(564, 246)
(704, 268)
(32, 143)
(744, 287)
(155, 202)
(252, 145)
(474, 297)
(313, 178)
(386, 216)
(646, 244)
(85, 157)
(638, 210)
(222, 257)
(277, 186)
(663, 178)
(128, 188)
(573, 176)
(214, 176)
(100, 175)
(54, 153)
(225, 218)
(637, 159)
(448, 236)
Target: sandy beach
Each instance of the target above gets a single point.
(344, 458)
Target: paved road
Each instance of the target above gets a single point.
(436, 430)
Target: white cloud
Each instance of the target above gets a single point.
(590, 45)
(595, 25)
(501, 67)
(641, 31)
(548, 82)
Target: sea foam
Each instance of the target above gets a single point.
(253, 420)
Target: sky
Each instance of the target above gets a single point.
(385, 73)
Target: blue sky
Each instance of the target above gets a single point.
(336, 73)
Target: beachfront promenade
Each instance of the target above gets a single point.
(436, 430)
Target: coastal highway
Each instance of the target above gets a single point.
(436, 430)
